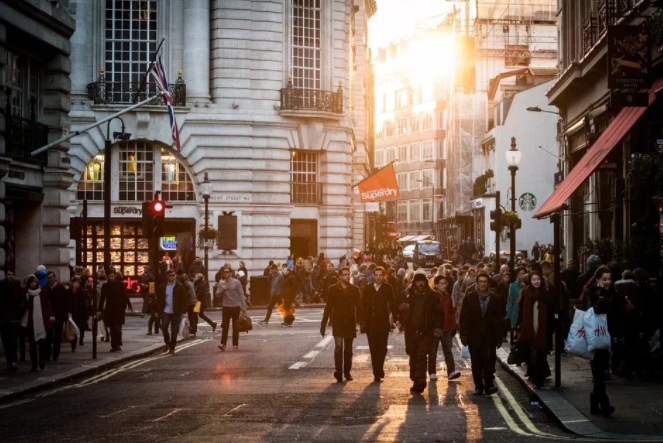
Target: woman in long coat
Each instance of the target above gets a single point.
(37, 321)
(79, 301)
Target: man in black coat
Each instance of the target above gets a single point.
(144, 284)
(112, 304)
(421, 316)
(481, 329)
(59, 300)
(344, 306)
(379, 301)
(173, 305)
(13, 305)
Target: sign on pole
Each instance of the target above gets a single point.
(629, 57)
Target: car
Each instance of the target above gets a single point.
(427, 254)
(408, 252)
(507, 255)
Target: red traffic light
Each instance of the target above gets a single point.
(158, 206)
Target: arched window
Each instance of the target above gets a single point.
(136, 166)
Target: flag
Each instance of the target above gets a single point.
(159, 75)
(380, 186)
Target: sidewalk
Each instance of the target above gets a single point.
(638, 403)
(135, 345)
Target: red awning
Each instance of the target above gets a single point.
(613, 134)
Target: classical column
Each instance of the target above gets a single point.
(197, 49)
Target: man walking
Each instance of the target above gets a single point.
(13, 305)
(144, 285)
(112, 305)
(233, 302)
(330, 278)
(379, 301)
(275, 292)
(173, 303)
(449, 329)
(59, 300)
(481, 330)
(421, 315)
(290, 285)
(345, 308)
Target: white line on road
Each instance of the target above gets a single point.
(325, 341)
(311, 354)
(299, 364)
(227, 414)
(116, 412)
(169, 414)
(366, 348)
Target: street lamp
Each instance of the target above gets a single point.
(206, 189)
(513, 157)
(537, 109)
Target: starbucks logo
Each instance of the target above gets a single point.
(527, 202)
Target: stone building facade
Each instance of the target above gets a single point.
(35, 83)
(267, 106)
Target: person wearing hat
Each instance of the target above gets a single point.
(421, 316)
(593, 263)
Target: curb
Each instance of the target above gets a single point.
(568, 416)
(93, 366)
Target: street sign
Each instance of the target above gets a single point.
(629, 57)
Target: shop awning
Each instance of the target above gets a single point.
(610, 138)
(421, 238)
(407, 238)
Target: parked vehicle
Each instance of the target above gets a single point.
(408, 252)
(427, 254)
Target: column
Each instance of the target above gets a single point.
(197, 49)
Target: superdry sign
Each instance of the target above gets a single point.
(122, 210)
(380, 186)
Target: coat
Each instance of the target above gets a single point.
(540, 339)
(434, 316)
(477, 328)
(79, 306)
(59, 300)
(180, 299)
(346, 310)
(377, 306)
(202, 293)
(12, 301)
(46, 313)
(196, 268)
(113, 302)
(449, 318)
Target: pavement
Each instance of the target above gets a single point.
(638, 402)
(278, 387)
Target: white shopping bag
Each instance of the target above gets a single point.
(101, 328)
(576, 342)
(77, 332)
(596, 330)
(465, 352)
(184, 328)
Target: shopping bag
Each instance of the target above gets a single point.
(465, 352)
(244, 323)
(518, 354)
(197, 307)
(596, 330)
(576, 341)
(77, 331)
(101, 328)
(68, 332)
(184, 328)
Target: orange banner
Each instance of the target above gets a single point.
(380, 186)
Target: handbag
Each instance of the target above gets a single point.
(101, 328)
(465, 352)
(518, 354)
(68, 333)
(184, 328)
(197, 307)
(243, 323)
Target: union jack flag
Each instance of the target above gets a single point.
(160, 78)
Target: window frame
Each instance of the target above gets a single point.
(414, 209)
(424, 203)
(309, 9)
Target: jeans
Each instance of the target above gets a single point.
(228, 313)
(9, 332)
(274, 301)
(54, 340)
(343, 354)
(38, 349)
(483, 356)
(154, 320)
(172, 320)
(447, 343)
(377, 344)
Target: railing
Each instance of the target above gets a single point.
(110, 93)
(22, 136)
(307, 193)
(589, 28)
(299, 99)
(603, 18)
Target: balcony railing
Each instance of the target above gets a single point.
(112, 93)
(300, 99)
(22, 136)
(589, 34)
(306, 193)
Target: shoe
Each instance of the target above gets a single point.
(338, 377)
(222, 347)
(606, 407)
(213, 327)
(413, 390)
(13, 367)
(149, 333)
(287, 325)
(377, 379)
(348, 376)
(193, 335)
(171, 351)
(433, 377)
(283, 324)
(236, 348)
(454, 375)
(263, 323)
(113, 350)
(478, 391)
(492, 390)
(594, 407)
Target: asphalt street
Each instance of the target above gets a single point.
(278, 387)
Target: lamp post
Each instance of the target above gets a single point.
(207, 192)
(513, 157)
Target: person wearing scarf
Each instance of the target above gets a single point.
(514, 295)
(537, 311)
(38, 321)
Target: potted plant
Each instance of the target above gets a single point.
(509, 217)
(210, 235)
(489, 173)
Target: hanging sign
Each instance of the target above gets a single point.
(168, 243)
(629, 57)
(380, 186)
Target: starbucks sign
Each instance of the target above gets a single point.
(527, 201)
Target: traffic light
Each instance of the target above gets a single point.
(158, 216)
(496, 220)
(147, 218)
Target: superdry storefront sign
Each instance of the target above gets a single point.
(380, 186)
(127, 210)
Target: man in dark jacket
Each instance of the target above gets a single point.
(570, 278)
(12, 307)
(328, 280)
(59, 300)
(112, 304)
(593, 263)
(144, 284)
(197, 267)
(345, 308)
(481, 329)
(173, 304)
(379, 301)
(421, 315)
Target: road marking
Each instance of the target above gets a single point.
(227, 414)
(168, 415)
(495, 429)
(299, 364)
(311, 354)
(510, 422)
(325, 341)
(117, 412)
(366, 348)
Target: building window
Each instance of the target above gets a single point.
(402, 153)
(402, 212)
(402, 97)
(176, 185)
(391, 155)
(415, 122)
(91, 184)
(136, 171)
(427, 178)
(304, 186)
(389, 101)
(427, 209)
(441, 149)
(131, 39)
(427, 121)
(24, 87)
(415, 211)
(389, 128)
(415, 180)
(379, 157)
(305, 43)
(401, 178)
(427, 149)
(415, 152)
(402, 126)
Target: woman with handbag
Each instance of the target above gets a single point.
(37, 321)
(233, 301)
(202, 295)
(78, 300)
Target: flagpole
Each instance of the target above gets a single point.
(149, 69)
(384, 167)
